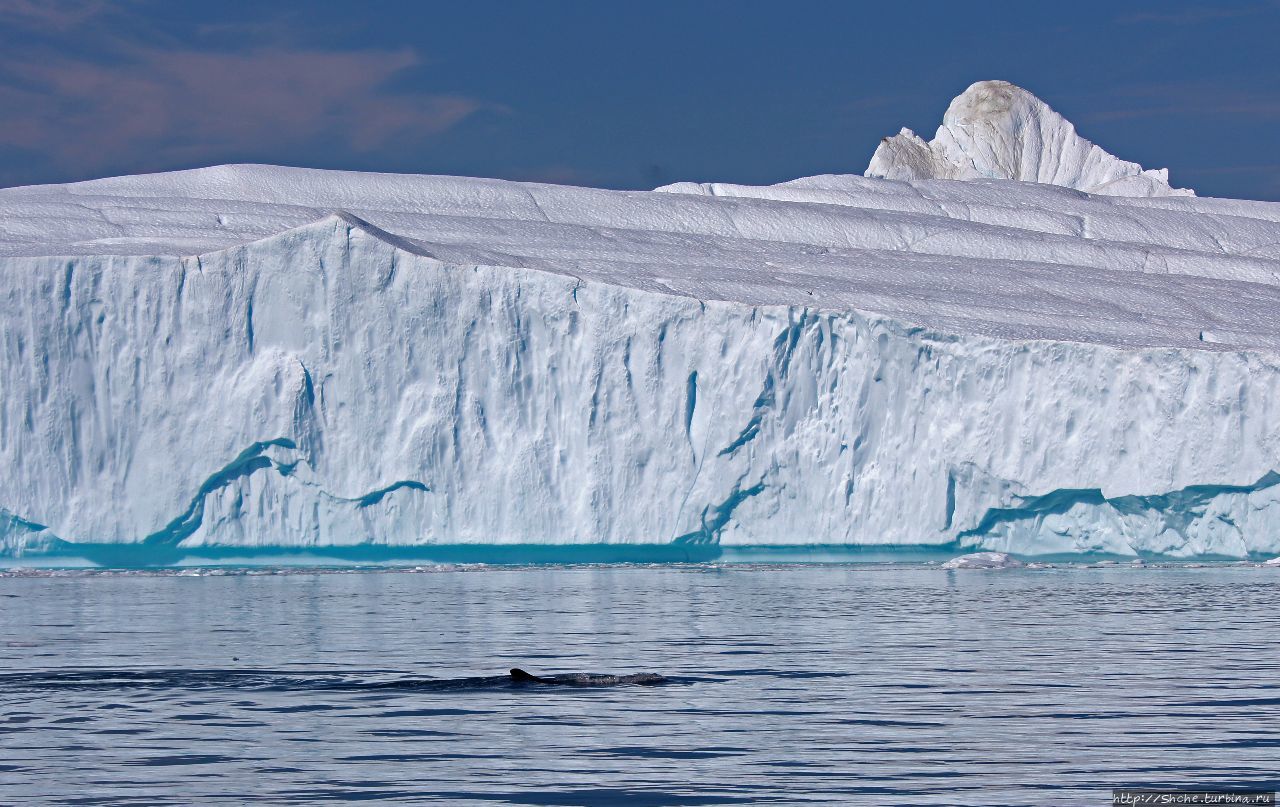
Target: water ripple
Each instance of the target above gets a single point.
(785, 685)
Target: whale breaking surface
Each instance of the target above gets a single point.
(1003, 339)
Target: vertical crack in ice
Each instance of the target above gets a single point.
(951, 500)
(248, 322)
(68, 282)
(690, 403)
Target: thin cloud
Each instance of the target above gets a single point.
(1192, 16)
(133, 96)
(1195, 99)
(166, 104)
(52, 15)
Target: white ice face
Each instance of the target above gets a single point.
(211, 357)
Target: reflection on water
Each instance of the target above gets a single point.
(786, 684)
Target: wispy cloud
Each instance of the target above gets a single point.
(138, 98)
(55, 15)
(1187, 99)
(1195, 15)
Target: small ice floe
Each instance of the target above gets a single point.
(1272, 562)
(984, 560)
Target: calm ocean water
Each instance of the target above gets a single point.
(788, 685)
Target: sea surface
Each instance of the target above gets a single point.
(787, 684)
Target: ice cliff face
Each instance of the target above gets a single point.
(996, 130)
(215, 358)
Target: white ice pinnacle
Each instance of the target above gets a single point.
(995, 130)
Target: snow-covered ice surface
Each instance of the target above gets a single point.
(260, 356)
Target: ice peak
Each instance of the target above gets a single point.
(997, 130)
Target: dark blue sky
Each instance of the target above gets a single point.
(619, 94)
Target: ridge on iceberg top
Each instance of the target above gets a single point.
(997, 258)
(997, 130)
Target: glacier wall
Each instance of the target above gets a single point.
(334, 386)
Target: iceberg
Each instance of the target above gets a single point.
(1062, 357)
(984, 560)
